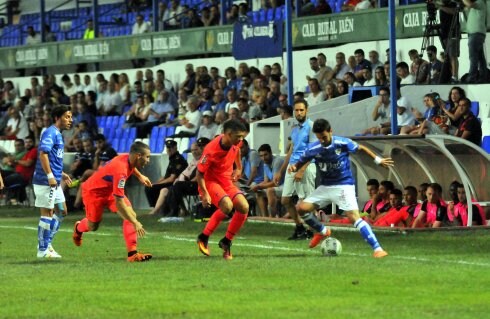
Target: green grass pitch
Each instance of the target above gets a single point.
(427, 275)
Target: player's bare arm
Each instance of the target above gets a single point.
(66, 178)
(142, 178)
(237, 173)
(126, 212)
(205, 198)
(43, 157)
(277, 177)
(383, 161)
(1, 182)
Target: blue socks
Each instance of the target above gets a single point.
(44, 232)
(311, 220)
(367, 233)
(55, 224)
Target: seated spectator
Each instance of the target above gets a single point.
(403, 72)
(350, 79)
(189, 83)
(437, 123)
(399, 215)
(419, 68)
(32, 36)
(364, 5)
(316, 95)
(380, 77)
(16, 127)
(381, 112)
(322, 7)
(367, 75)
(84, 160)
(428, 114)
(232, 14)
(269, 200)
(252, 165)
(433, 211)
(381, 202)
(172, 16)
(191, 19)
(452, 109)
(422, 192)
(167, 84)
(103, 153)
(208, 128)
(171, 198)
(189, 125)
(341, 67)
(330, 91)
(139, 112)
(176, 165)
(342, 88)
(360, 64)
(458, 213)
(469, 127)
(209, 19)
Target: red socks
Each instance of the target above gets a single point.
(213, 223)
(236, 223)
(82, 227)
(130, 236)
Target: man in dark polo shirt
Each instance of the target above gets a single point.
(177, 163)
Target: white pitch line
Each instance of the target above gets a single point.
(270, 247)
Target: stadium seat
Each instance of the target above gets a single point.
(270, 14)
(154, 132)
(255, 16)
(153, 144)
(262, 15)
(159, 145)
(132, 133)
(338, 6)
(475, 108)
(278, 16)
(485, 144)
(121, 121)
(170, 130)
(162, 133)
(115, 144)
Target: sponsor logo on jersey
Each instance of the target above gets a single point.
(121, 183)
(338, 151)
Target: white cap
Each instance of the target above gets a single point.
(402, 102)
(207, 113)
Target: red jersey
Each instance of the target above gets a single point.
(27, 172)
(216, 162)
(110, 178)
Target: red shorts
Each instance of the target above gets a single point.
(95, 205)
(218, 191)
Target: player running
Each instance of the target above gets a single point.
(46, 181)
(331, 153)
(215, 177)
(105, 188)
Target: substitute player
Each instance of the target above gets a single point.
(46, 181)
(215, 177)
(105, 188)
(337, 183)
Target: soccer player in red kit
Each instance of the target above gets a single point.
(105, 188)
(219, 166)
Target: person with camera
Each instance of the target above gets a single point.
(477, 29)
(450, 35)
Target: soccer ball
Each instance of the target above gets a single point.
(331, 247)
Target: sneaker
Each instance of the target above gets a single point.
(226, 249)
(47, 254)
(139, 257)
(319, 237)
(380, 254)
(52, 251)
(77, 237)
(299, 233)
(202, 244)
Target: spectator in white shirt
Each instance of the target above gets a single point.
(403, 72)
(140, 26)
(32, 36)
(192, 119)
(367, 74)
(172, 16)
(316, 95)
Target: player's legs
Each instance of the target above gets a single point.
(306, 208)
(94, 208)
(286, 200)
(131, 236)
(271, 202)
(59, 213)
(240, 209)
(45, 196)
(161, 199)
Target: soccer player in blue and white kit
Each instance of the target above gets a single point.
(47, 178)
(331, 154)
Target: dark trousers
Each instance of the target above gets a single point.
(15, 186)
(153, 192)
(175, 197)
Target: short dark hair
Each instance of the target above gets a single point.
(373, 182)
(386, 89)
(234, 126)
(396, 192)
(321, 125)
(388, 185)
(58, 111)
(138, 147)
(412, 190)
(359, 51)
(302, 101)
(402, 65)
(432, 48)
(265, 148)
(436, 187)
